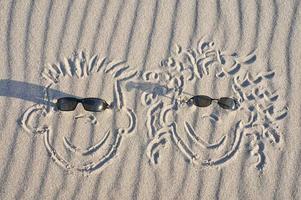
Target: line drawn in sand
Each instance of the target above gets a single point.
(259, 106)
(37, 119)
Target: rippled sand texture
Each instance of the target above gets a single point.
(146, 58)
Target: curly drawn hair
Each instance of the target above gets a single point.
(254, 96)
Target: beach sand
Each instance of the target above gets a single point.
(146, 58)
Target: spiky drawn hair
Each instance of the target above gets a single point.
(79, 65)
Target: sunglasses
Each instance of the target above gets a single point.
(204, 101)
(89, 104)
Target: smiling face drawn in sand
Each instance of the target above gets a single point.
(80, 140)
(209, 136)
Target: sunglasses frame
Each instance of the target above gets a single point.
(82, 101)
(191, 100)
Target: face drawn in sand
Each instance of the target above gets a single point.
(75, 149)
(210, 136)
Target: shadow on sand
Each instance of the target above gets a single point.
(28, 92)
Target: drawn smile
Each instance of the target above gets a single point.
(87, 166)
(89, 150)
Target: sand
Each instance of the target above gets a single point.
(146, 58)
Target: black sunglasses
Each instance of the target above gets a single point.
(204, 101)
(89, 104)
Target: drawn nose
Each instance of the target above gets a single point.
(89, 118)
(213, 117)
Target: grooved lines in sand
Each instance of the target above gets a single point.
(163, 93)
(93, 158)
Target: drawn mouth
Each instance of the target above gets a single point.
(198, 140)
(89, 150)
(89, 119)
(192, 133)
(89, 165)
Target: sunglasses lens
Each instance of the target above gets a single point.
(227, 103)
(201, 100)
(94, 104)
(66, 103)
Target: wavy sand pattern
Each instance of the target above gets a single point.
(146, 58)
(80, 67)
(197, 63)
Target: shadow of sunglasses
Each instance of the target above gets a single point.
(204, 101)
(89, 104)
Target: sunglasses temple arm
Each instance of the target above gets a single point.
(177, 99)
(109, 105)
(184, 100)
